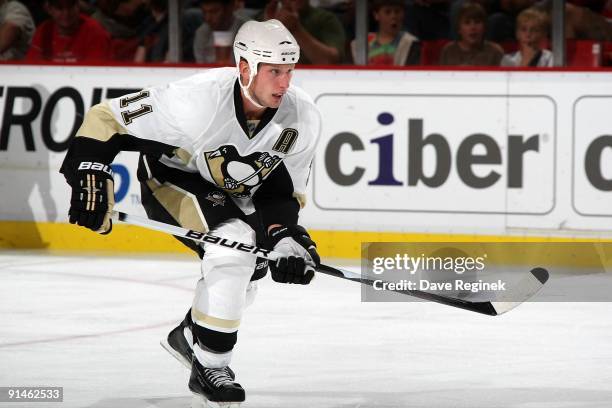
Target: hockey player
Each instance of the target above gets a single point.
(220, 152)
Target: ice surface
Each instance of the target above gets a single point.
(93, 324)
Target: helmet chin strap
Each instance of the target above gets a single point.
(245, 89)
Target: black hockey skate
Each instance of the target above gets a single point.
(215, 387)
(179, 343)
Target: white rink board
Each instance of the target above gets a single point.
(540, 187)
(592, 118)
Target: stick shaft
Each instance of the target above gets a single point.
(485, 307)
(213, 239)
(194, 235)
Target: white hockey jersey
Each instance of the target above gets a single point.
(202, 116)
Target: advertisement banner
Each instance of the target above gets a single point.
(400, 151)
(414, 151)
(592, 156)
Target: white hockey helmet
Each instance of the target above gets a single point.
(267, 41)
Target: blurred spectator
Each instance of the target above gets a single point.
(531, 29)
(220, 23)
(318, 32)
(36, 10)
(501, 23)
(581, 23)
(69, 36)
(390, 45)
(252, 8)
(124, 20)
(471, 48)
(187, 4)
(345, 12)
(154, 41)
(88, 6)
(16, 30)
(596, 6)
(497, 20)
(607, 9)
(428, 19)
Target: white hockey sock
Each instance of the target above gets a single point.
(212, 360)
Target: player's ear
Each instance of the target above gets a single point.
(245, 70)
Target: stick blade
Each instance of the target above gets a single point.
(541, 274)
(525, 290)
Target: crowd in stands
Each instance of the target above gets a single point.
(510, 33)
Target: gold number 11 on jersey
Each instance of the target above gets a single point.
(128, 115)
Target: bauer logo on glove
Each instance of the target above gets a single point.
(87, 165)
(92, 197)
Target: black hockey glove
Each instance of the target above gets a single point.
(93, 195)
(301, 255)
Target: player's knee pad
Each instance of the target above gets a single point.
(219, 303)
(223, 263)
(221, 293)
(218, 256)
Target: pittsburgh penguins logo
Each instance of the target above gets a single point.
(217, 198)
(238, 175)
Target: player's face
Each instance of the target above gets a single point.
(271, 83)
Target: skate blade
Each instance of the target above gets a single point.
(197, 401)
(164, 343)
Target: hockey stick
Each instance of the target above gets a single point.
(524, 290)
